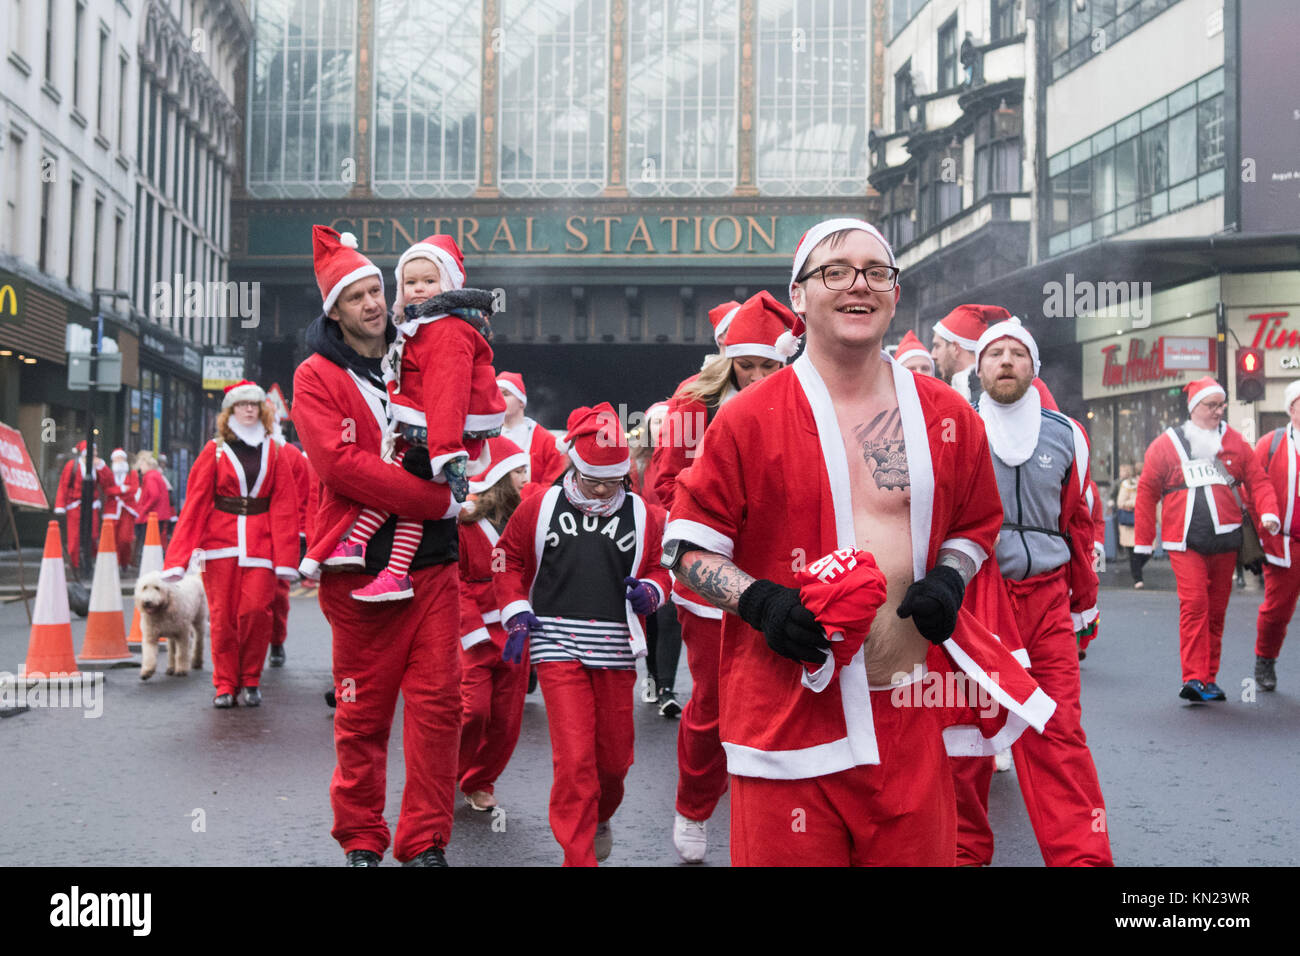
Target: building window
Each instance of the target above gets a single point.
(302, 98)
(49, 42)
(119, 240)
(95, 242)
(554, 79)
(1002, 20)
(1077, 32)
(682, 94)
(812, 109)
(78, 18)
(17, 26)
(997, 152)
(102, 81)
(427, 98)
(940, 193)
(901, 13)
(902, 96)
(1162, 158)
(947, 75)
(122, 61)
(900, 214)
(73, 234)
(14, 196)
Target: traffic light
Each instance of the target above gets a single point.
(1250, 374)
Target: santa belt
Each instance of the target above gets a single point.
(419, 434)
(242, 506)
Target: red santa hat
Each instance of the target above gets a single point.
(1201, 389)
(814, 237)
(1011, 328)
(338, 264)
(965, 324)
(443, 252)
(506, 457)
(81, 447)
(513, 383)
(911, 347)
(595, 442)
(720, 317)
(118, 453)
(762, 328)
(244, 391)
(1291, 394)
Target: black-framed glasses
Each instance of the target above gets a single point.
(838, 277)
(600, 484)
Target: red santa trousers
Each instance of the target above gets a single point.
(73, 526)
(1054, 769)
(971, 778)
(1281, 588)
(701, 761)
(899, 812)
(1204, 586)
(280, 612)
(239, 605)
(409, 646)
(125, 538)
(492, 701)
(589, 711)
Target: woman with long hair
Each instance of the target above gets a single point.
(759, 342)
(241, 519)
(492, 690)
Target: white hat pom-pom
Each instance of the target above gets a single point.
(787, 344)
(348, 239)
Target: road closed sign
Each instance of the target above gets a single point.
(22, 484)
(222, 370)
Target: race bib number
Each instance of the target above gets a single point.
(1200, 472)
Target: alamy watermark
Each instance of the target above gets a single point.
(59, 690)
(1074, 298)
(179, 299)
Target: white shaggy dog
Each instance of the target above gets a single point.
(178, 612)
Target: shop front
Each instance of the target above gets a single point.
(168, 414)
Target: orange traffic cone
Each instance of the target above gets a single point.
(49, 651)
(105, 628)
(151, 559)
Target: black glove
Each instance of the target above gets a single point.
(790, 628)
(932, 603)
(416, 461)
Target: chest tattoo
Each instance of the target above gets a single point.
(884, 452)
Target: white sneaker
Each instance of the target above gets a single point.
(649, 693)
(604, 841)
(1002, 761)
(690, 839)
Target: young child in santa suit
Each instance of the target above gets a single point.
(492, 690)
(581, 572)
(443, 398)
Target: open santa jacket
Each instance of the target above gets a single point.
(68, 495)
(1280, 464)
(1164, 478)
(524, 543)
(268, 540)
(480, 611)
(772, 481)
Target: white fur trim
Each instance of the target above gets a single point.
(616, 470)
(757, 351)
(509, 386)
(348, 240)
(943, 332)
(476, 636)
(721, 330)
(369, 269)
(513, 608)
(440, 257)
(498, 471)
(484, 423)
(243, 393)
(814, 237)
(700, 535)
(1207, 392)
(1011, 328)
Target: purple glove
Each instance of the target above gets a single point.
(517, 630)
(641, 595)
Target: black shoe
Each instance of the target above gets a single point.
(362, 858)
(223, 701)
(1265, 675)
(668, 706)
(532, 680)
(250, 697)
(1214, 692)
(329, 698)
(277, 655)
(430, 857)
(1194, 691)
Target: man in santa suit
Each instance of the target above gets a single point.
(914, 356)
(121, 505)
(1195, 472)
(297, 463)
(844, 448)
(380, 649)
(1278, 453)
(545, 463)
(67, 500)
(953, 348)
(1045, 555)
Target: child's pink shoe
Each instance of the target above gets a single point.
(386, 587)
(347, 555)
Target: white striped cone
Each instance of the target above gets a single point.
(105, 640)
(151, 560)
(49, 650)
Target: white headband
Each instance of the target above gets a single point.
(1008, 328)
(814, 237)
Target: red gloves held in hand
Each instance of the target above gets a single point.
(843, 590)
